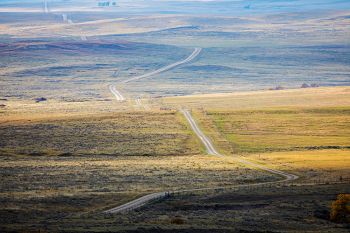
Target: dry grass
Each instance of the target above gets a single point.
(73, 176)
(140, 24)
(66, 188)
(313, 97)
(284, 129)
(320, 165)
(27, 110)
(128, 133)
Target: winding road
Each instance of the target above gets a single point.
(194, 54)
(120, 97)
(116, 93)
(212, 151)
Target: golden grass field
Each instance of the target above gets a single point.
(121, 133)
(284, 129)
(312, 166)
(70, 161)
(313, 97)
(128, 175)
(140, 24)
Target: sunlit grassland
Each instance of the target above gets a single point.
(308, 97)
(310, 142)
(128, 133)
(66, 167)
(29, 177)
(318, 166)
(258, 131)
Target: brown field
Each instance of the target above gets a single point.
(127, 133)
(63, 163)
(139, 24)
(312, 166)
(312, 97)
(285, 129)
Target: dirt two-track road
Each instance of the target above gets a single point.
(211, 151)
(120, 97)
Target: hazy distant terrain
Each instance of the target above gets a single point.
(247, 46)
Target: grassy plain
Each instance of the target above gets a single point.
(274, 209)
(258, 131)
(65, 167)
(312, 166)
(70, 167)
(127, 133)
(308, 97)
(308, 134)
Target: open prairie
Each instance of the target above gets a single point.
(174, 116)
(65, 169)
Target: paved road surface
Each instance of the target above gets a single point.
(212, 151)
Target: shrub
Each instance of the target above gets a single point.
(340, 209)
(177, 220)
(40, 99)
(305, 85)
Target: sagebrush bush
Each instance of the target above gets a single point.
(340, 209)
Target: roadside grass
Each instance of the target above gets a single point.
(310, 142)
(261, 209)
(60, 173)
(288, 129)
(68, 170)
(312, 166)
(38, 190)
(47, 176)
(209, 128)
(194, 140)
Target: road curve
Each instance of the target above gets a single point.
(194, 54)
(116, 93)
(120, 97)
(212, 151)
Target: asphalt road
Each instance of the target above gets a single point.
(212, 151)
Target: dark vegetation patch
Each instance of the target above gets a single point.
(137, 134)
(283, 209)
(40, 99)
(209, 68)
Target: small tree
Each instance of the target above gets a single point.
(340, 209)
